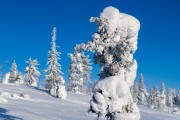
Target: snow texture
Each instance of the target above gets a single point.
(42, 106)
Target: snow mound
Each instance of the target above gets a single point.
(5, 94)
(25, 96)
(61, 93)
(15, 96)
(3, 100)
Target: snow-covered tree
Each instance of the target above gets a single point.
(135, 93)
(155, 96)
(20, 78)
(177, 99)
(79, 72)
(75, 71)
(162, 95)
(13, 72)
(142, 93)
(151, 98)
(170, 98)
(86, 68)
(54, 82)
(32, 72)
(114, 45)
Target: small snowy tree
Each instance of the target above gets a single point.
(75, 71)
(142, 93)
(54, 82)
(79, 72)
(162, 95)
(13, 72)
(86, 68)
(135, 93)
(170, 98)
(32, 73)
(151, 98)
(155, 96)
(177, 99)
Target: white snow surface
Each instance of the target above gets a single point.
(42, 106)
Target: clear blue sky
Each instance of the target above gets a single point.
(25, 31)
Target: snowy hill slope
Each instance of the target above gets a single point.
(42, 106)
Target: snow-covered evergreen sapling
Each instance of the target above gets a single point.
(151, 98)
(170, 98)
(32, 72)
(135, 93)
(155, 97)
(54, 82)
(162, 99)
(114, 45)
(14, 76)
(13, 72)
(79, 72)
(142, 93)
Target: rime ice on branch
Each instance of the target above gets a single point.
(114, 44)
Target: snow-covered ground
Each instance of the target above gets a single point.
(38, 105)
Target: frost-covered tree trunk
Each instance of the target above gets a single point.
(142, 93)
(32, 73)
(54, 82)
(170, 98)
(114, 44)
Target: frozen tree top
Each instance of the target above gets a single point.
(114, 16)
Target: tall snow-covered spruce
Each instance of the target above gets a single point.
(32, 72)
(79, 72)
(114, 44)
(54, 82)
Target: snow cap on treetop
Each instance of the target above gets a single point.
(110, 13)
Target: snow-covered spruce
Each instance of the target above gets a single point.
(162, 97)
(79, 72)
(142, 93)
(32, 72)
(54, 82)
(114, 45)
(15, 76)
(170, 98)
(135, 92)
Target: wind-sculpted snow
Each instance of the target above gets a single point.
(114, 44)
